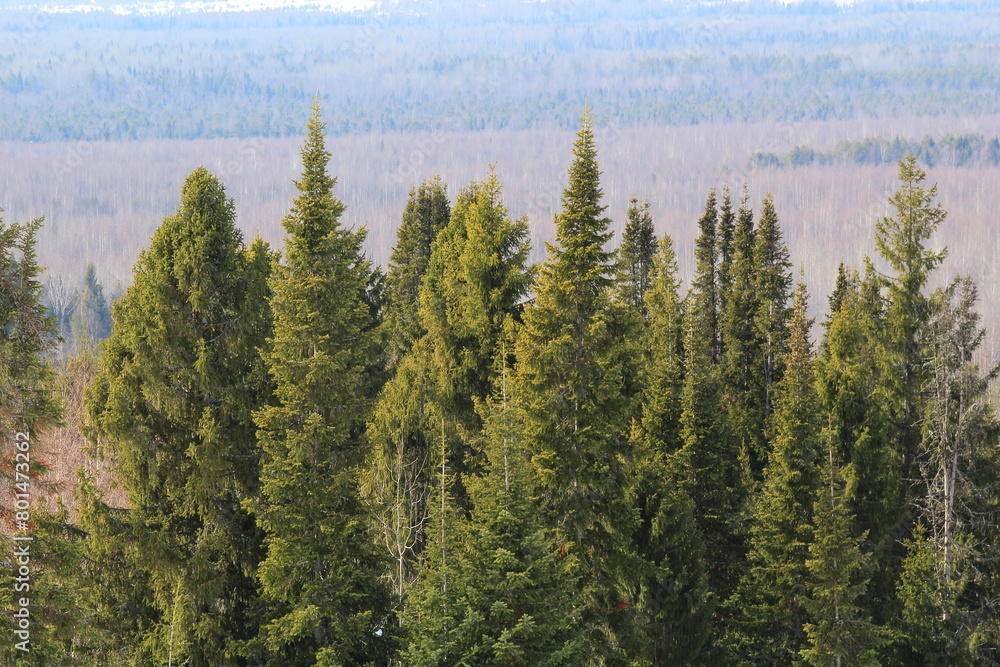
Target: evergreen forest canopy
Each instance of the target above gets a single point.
(437, 65)
(468, 459)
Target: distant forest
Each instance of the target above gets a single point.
(467, 458)
(456, 66)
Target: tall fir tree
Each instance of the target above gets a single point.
(704, 294)
(322, 576)
(427, 212)
(575, 381)
(26, 333)
(859, 423)
(839, 630)
(28, 407)
(710, 455)
(663, 353)
(742, 372)
(725, 233)
(773, 279)
(476, 279)
(496, 588)
(635, 256)
(673, 605)
(180, 377)
(770, 602)
(91, 320)
(901, 240)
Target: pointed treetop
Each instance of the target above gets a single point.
(315, 212)
(315, 157)
(901, 240)
(581, 200)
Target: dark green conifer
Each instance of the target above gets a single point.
(496, 588)
(673, 607)
(635, 257)
(725, 233)
(322, 577)
(839, 631)
(575, 378)
(704, 294)
(742, 372)
(476, 279)
(773, 279)
(180, 377)
(770, 602)
(427, 212)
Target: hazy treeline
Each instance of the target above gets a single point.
(428, 66)
(966, 150)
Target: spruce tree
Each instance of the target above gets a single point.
(663, 349)
(772, 272)
(496, 588)
(635, 257)
(713, 466)
(574, 384)
(172, 406)
(475, 280)
(673, 606)
(28, 407)
(859, 423)
(770, 602)
(711, 453)
(842, 287)
(901, 372)
(839, 631)
(742, 372)
(322, 576)
(901, 240)
(91, 320)
(704, 294)
(427, 212)
(725, 233)
(26, 333)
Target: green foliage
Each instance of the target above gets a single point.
(180, 377)
(840, 632)
(673, 606)
(635, 256)
(574, 383)
(704, 296)
(476, 279)
(496, 588)
(713, 464)
(427, 212)
(26, 333)
(91, 320)
(858, 419)
(933, 619)
(772, 281)
(321, 578)
(663, 346)
(770, 602)
(726, 230)
(742, 371)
